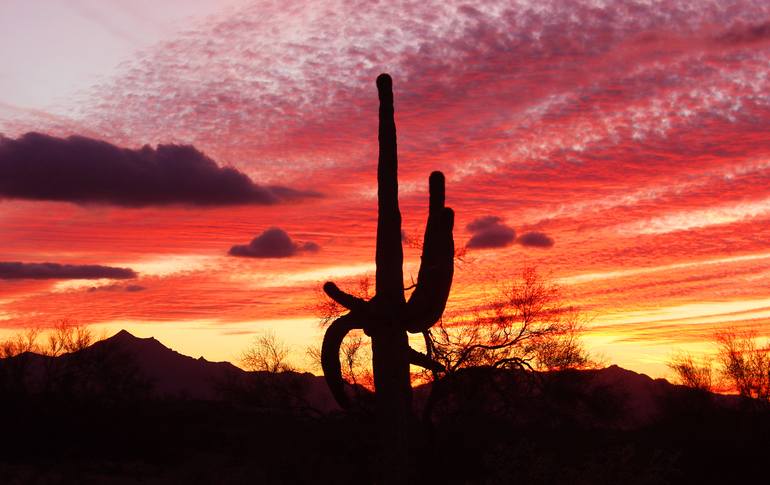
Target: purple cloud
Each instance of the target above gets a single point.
(535, 239)
(56, 271)
(84, 170)
(490, 232)
(273, 243)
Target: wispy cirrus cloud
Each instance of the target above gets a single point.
(700, 218)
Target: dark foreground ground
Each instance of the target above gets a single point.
(128, 410)
(178, 441)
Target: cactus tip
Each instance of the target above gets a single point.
(384, 82)
(436, 178)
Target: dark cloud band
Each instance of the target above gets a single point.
(46, 271)
(83, 170)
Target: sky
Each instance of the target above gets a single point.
(194, 170)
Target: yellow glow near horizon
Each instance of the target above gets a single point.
(218, 341)
(706, 312)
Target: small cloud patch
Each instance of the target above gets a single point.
(56, 271)
(126, 288)
(535, 240)
(273, 243)
(490, 232)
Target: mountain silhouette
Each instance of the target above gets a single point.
(170, 373)
(167, 373)
(612, 397)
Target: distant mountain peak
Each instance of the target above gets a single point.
(125, 340)
(126, 336)
(123, 334)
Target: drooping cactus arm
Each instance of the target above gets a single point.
(330, 356)
(389, 254)
(434, 279)
(347, 300)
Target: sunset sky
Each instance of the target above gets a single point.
(622, 147)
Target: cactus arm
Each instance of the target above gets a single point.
(434, 279)
(389, 256)
(347, 300)
(330, 357)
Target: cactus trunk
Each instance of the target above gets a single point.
(394, 402)
(390, 346)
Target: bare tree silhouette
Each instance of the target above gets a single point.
(745, 363)
(266, 353)
(692, 372)
(742, 362)
(530, 326)
(387, 317)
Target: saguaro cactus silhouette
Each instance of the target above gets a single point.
(387, 317)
